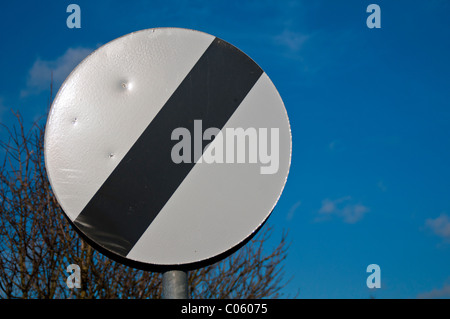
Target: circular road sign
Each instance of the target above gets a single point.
(167, 148)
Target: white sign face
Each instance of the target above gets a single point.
(167, 147)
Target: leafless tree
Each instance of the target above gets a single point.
(37, 243)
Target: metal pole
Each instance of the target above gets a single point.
(175, 285)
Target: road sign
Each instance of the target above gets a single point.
(167, 147)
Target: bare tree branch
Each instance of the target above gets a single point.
(37, 244)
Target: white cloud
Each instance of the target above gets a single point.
(381, 186)
(291, 39)
(444, 292)
(336, 146)
(40, 74)
(291, 212)
(343, 208)
(332, 145)
(440, 226)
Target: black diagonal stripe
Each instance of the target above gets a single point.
(145, 179)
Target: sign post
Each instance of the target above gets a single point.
(175, 285)
(167, 149)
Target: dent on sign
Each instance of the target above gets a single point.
(114, 170)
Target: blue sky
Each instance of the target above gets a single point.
(369, 112)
